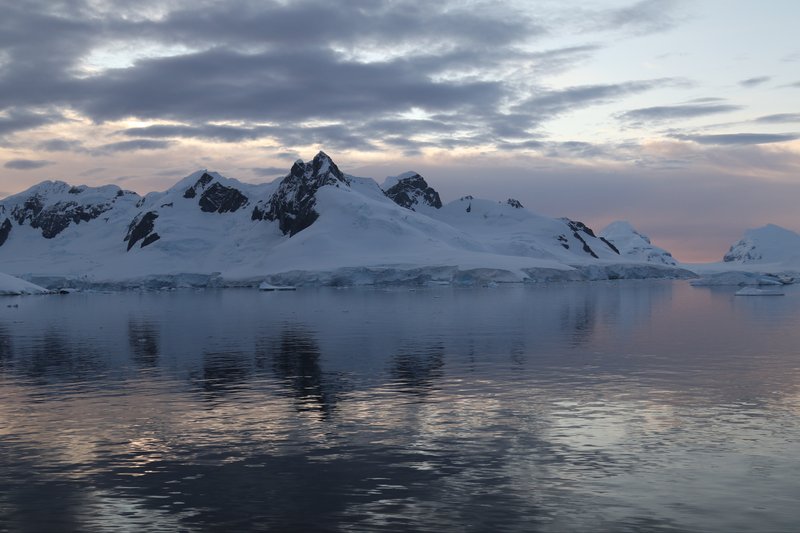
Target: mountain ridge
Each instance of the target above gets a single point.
(315, 219)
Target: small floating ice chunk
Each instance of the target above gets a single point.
(265, 286)
(753, 291)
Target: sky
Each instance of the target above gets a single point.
(679, 116)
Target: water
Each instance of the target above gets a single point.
(630, 406)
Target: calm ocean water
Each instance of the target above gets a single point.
(619, 406)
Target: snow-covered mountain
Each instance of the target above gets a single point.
(768, 244)
(634, 244)
(315, 225)
(410, 190)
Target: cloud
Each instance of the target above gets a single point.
(277, 86)
(15, 120)
(738, 138)
(674, 112)
(643, 17)
(269, 171)
(385, 77)
(754, 82)
(27, 164)
(242, 70)
(61, 145)
(553, 102)
(211, 132)
(780, 118)
(529, 145)
(131, 146)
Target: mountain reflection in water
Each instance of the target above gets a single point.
(647, 406)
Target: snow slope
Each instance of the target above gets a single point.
(11, 286)
(766, 255)
(768, 244)
(634, 244)
(316, 225)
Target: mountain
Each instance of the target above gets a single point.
(410, 190)
(316, 225)
(768, 244)
(635, 245)
(52, 206)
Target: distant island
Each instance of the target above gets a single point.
(321, 226)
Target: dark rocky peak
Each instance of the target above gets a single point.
(214, 196)
(411, 190)
(576, 225)
(317, 173)
(221, 199)
(199, 185)
(53, 205)
(292, 204)
(516, 204)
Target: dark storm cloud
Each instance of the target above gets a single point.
(673, 112)
(780, 118)
(131, 146)
(275, 86)
(41, 44)
(315, 24)
(738, 138)
(243, 68)
(26, 164)
(754, 82)
(278, 69)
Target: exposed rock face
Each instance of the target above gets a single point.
(769, 243)
(635, 245)
(610, 244)
(578, 228)
(5, 229)
(221, 199)
(142, 229)
(516, 204)
(412, 191)
(742, 252)
(55, 218)
(292, 205)
(217, 198)
(201, 183)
